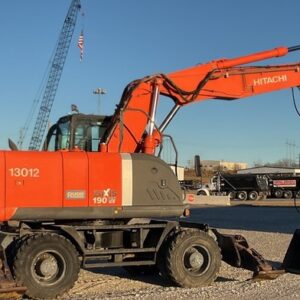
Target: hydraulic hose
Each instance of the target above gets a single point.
(294, 48)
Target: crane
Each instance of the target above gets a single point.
(53, 78)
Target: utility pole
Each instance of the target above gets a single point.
(99, 92)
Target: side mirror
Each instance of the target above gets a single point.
(197, 166)
(12, 146)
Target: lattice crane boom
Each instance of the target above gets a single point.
(54, 75)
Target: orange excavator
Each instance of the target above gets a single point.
(75, 207)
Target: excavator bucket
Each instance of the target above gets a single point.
(291, 261)
(9, 288)
(237, 253)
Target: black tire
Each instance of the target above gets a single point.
(193, 259)
(253, 195)
(242, 195)
(232, 195)
(287, 194)
(297, 194)
(47, 264)
(161, 258)
(278, 193)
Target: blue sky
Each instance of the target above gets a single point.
(126, 40)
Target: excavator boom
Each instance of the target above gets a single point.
(133, 127)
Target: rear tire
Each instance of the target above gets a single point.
(47, 264)
(242, 195)
(253, 195)
(287, 194)
(278, 193)
(193, 259)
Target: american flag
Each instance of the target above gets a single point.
(80, 45)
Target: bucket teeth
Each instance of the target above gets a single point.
(267, 275)
(236, 252)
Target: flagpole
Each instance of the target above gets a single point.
(80, 44)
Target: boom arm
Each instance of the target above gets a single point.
(133, 126)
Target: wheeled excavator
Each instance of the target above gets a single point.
(103, 198)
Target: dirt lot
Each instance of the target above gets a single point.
(267, 229)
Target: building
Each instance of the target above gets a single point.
(270, 170)
(221, 165)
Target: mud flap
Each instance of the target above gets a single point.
(291, 261)
(237, 253)
(9, 288)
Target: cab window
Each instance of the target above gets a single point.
(63, 135)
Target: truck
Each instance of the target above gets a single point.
(190, 184)
(284, 186)
(103, 198)
(240, 186)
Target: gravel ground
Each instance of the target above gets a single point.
(231, 283)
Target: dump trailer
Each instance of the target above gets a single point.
(284, 186)
(240, 186)
(76, 207)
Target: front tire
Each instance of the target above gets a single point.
(202, 193)
(193, 259)
(47, 264)
(232, 195)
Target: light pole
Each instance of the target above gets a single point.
(99, 92)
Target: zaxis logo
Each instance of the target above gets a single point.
(104, 197)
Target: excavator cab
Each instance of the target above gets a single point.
(76, 131)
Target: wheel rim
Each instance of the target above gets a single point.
(253, 196)
(48, 267)
(288, 195)
(196, 260)
(242, 196)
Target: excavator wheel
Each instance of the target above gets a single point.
(192, 259)
(47, 264)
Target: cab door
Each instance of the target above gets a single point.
(75, 179)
